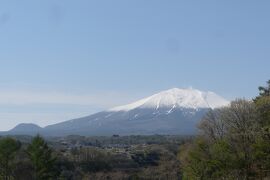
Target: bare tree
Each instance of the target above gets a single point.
(212, 126)
(238, 125)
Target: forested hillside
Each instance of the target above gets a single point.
(234, 142)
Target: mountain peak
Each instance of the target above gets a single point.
(177, 97)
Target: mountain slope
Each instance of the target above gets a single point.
(175, 111)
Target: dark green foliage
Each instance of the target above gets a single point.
(8, 149)
(262, 145)
(95, 166)
(41, 158)
(264, 91)
(146, 158)
(263, 106)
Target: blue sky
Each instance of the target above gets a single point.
(65, 59)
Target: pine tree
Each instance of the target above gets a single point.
(8, 149)
(265, 91)
(41, 159)
(263, 105)
(262, 146)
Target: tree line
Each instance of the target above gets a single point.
(36, 161)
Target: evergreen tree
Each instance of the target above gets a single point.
(262, 146)
(41, 159)
(265, 91)
(263, 106)
(8, 149)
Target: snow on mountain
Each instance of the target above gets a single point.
(181, 98)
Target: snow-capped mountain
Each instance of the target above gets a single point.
(177, 98)
(174, 111)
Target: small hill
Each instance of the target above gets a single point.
(25, 128)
